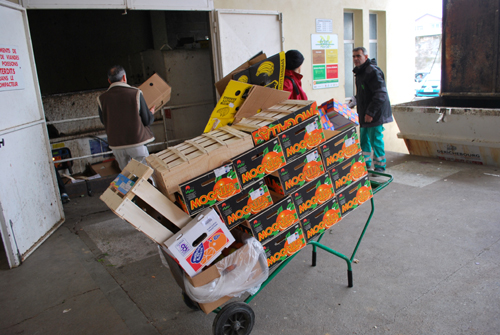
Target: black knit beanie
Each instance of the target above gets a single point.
(294, 59)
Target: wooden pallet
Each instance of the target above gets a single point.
(270, 115)
(142, 205)
(192, 158)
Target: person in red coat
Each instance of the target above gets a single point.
(293, 83)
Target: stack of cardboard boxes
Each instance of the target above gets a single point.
(297, 180)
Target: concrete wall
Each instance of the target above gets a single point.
(188, 71)
(395, 53)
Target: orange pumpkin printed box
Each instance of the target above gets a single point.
(274, 220)
(303, 170)
(321, 219)
(301, 138)
(348, 172)
(273, 129)
(313, 194)
(355, 195)
(242, 206)
(284, 245)
(210, 188)
(339, 146)
(259, 161)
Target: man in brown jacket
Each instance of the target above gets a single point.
(126, 118)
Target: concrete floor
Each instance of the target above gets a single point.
(428, 264)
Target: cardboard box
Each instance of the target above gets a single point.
(194, 157)
(257, 162)
(300, 111)
(333, 108)
(233, 97)
(313, 194)
(210, 188)
(200, 242)
(304, 169)
(339, 146)
(242, 100)
(211, 273)
(301, 138)
(135, 200)
(352, 169)
(244, 205)
(325, 121)
(355, 195)
(156, 92)
(321, 219)
(221, 84)
(273, 220)
(106, 168)
(260, 98)
(284, 245)
(269, 72)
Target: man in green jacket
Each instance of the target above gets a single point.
(373, 105)
(126, 118)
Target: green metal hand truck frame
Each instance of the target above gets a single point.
(237, 318)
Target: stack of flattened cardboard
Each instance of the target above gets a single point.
(253, 86)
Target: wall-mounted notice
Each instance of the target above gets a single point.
(325, 60)
(324, 26)
(11, 76)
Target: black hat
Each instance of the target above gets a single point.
(294, 59)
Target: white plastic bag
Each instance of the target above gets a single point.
(242, 271)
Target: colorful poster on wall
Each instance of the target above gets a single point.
(325, 60)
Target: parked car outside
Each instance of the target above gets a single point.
(420, 76)
(431, 86)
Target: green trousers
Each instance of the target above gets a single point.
(372, 139)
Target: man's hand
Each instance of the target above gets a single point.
(352, 102)
(368, 118)
(152, 109)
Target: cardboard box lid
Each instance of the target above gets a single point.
(259, 98)
(221, 84)
(156, 91)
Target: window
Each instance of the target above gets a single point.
(348, 47)
(372, 52)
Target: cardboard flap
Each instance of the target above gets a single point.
(221, 84)
(231, 100)
(260, 98)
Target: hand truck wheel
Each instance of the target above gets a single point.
(236, 318)
(190, 303)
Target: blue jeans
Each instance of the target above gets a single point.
(372, 138)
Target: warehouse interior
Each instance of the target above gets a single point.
(72, 72)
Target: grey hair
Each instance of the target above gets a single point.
(363, 49)
(116, 73)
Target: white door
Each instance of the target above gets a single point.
(30, 205)
(239, 35)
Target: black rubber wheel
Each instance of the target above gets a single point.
(236, 318)
(190, 303)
